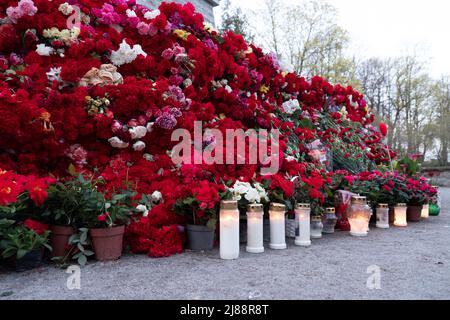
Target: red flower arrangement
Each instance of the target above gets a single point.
(151, 72)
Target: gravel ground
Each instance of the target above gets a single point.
(414, 264)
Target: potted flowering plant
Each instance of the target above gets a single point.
(106, 220)
(394, 191)
(24, 244)
(62, 207)
(200, 208)
(79, 204)
(417, 197)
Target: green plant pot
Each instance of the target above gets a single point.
(199, 237)
(434, 210)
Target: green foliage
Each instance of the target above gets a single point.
(78, 202)
(190, 208)
(20, 240)
(408, 166)
(346, 151)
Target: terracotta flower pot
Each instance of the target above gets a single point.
(107, 243)
(59, 240)
(414, 213)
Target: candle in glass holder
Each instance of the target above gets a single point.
(400, 215)
(383, 216)
(302, 216)
(277, 213)
(255, 239)
(425, 211)
(359, 216)
(229, 230)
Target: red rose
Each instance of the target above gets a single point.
(102, 217)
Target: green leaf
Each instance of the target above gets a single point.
(83, 237)
(82, 260)
(306, 123)
(80, 247)
(211, 224)
(21, 253)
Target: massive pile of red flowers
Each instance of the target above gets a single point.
(101, 85)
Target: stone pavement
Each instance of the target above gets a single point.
(414, 263)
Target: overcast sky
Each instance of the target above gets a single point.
(389, 28)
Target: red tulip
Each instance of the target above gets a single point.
(383, 129)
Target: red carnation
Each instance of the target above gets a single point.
(9, 40)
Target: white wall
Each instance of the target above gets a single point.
(203, 6)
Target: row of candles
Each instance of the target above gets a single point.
(358, 217)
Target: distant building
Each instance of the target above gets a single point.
(205, 7)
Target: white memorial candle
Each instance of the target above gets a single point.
(255, 239)
(425, 211)
(383, 216)
(229, 230)
(277, 226)
(400, 215)
(359, 216)
(302, 217)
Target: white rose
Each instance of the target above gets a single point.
(43, 50)
(126, 54)
(139, 146)
(262, 193)
(291, 106)
(252, 196)
(117, 143)
(131, 13)
(141, 208)
(138, 132)
(152, 14)
(65, 8)
(156, 196)
(241, 187)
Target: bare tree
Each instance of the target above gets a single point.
(441, 100)
(306, 37)
(234, 19)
